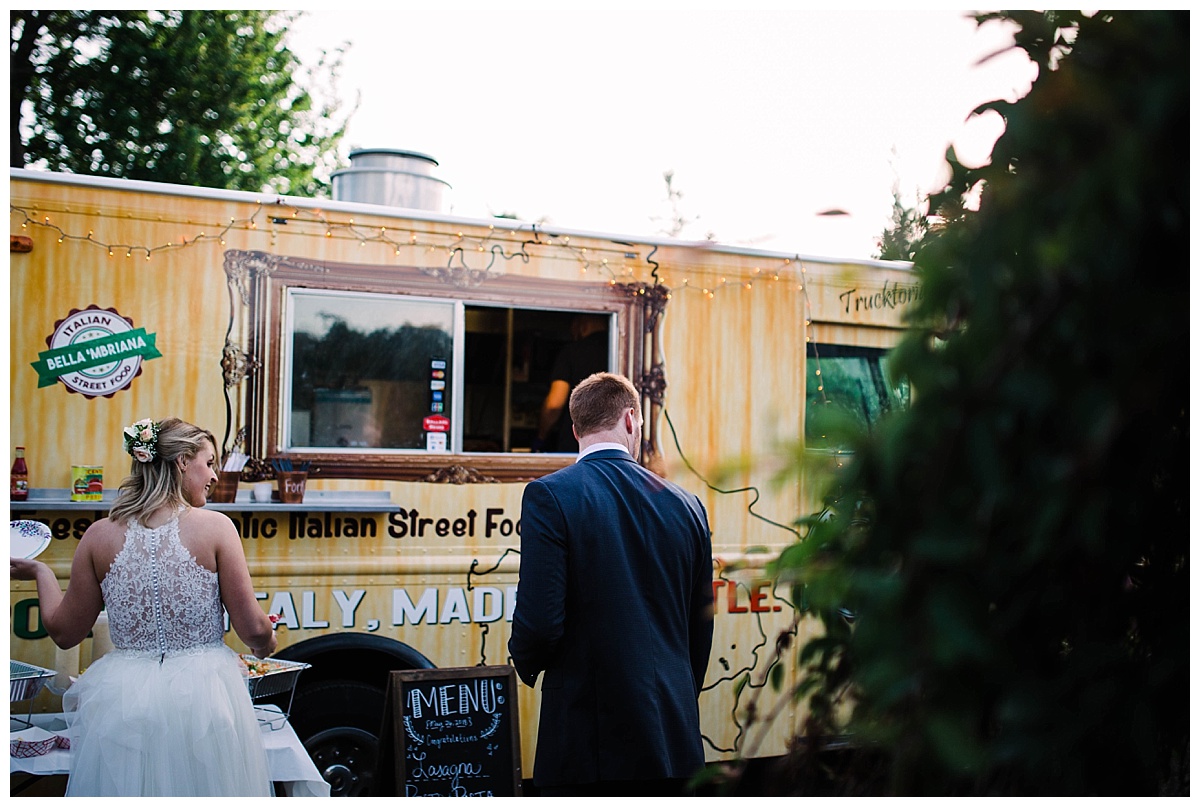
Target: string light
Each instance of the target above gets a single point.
(775, 276)
(495, 242)
(111, 249)
(589, 259)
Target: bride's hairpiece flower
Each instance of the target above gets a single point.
(141, 440)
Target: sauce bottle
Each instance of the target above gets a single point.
(19, 483)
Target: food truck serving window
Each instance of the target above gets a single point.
(375, 371)
(384, 371)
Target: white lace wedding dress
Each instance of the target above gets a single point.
(165, 713)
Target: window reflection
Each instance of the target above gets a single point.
(363, 368)
(854, 387)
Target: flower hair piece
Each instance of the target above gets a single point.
(141, 440)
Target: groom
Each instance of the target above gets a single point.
(614, 604)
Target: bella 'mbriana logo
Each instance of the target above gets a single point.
(95, 352)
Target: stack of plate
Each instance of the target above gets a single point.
(28, 539)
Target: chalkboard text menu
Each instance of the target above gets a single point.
(451, 732)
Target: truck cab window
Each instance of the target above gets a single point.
(850, 384)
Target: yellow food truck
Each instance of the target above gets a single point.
(381, 365)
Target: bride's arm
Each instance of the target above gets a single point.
(237, 592)
(66, 617)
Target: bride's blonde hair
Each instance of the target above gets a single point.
(159, 482)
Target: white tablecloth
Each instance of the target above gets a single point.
(287, 760)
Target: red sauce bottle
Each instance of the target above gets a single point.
(19, 483)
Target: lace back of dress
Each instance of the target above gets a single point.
(158, 598)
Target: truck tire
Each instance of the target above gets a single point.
(338, 722)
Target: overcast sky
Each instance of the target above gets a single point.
(766, 118)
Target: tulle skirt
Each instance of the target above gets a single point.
(182, 727)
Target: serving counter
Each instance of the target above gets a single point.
(315, 501)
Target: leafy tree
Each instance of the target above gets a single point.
(901, 238)
(31, 31)
(1013, 548)
(210, 98)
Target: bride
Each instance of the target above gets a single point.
(166, 712)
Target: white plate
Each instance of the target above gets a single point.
(28, 538)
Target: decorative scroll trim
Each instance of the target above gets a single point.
(654, 384)
(459, 276)
(237, 365)
(458, 475)
(649, 372)
(655, 304)
(242, 266)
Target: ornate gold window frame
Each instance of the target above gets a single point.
(252, 359)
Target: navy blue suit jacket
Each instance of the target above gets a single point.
(614, 604)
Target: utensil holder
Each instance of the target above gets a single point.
(226, 488)
(291, 486)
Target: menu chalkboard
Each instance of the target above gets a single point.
(450, 732)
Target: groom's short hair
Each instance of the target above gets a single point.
(600, 400)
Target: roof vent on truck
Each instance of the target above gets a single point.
(391, 177)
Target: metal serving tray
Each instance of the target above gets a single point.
(282, 678)
(25, 681)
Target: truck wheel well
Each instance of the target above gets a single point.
(361, 657)
(338, 702)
